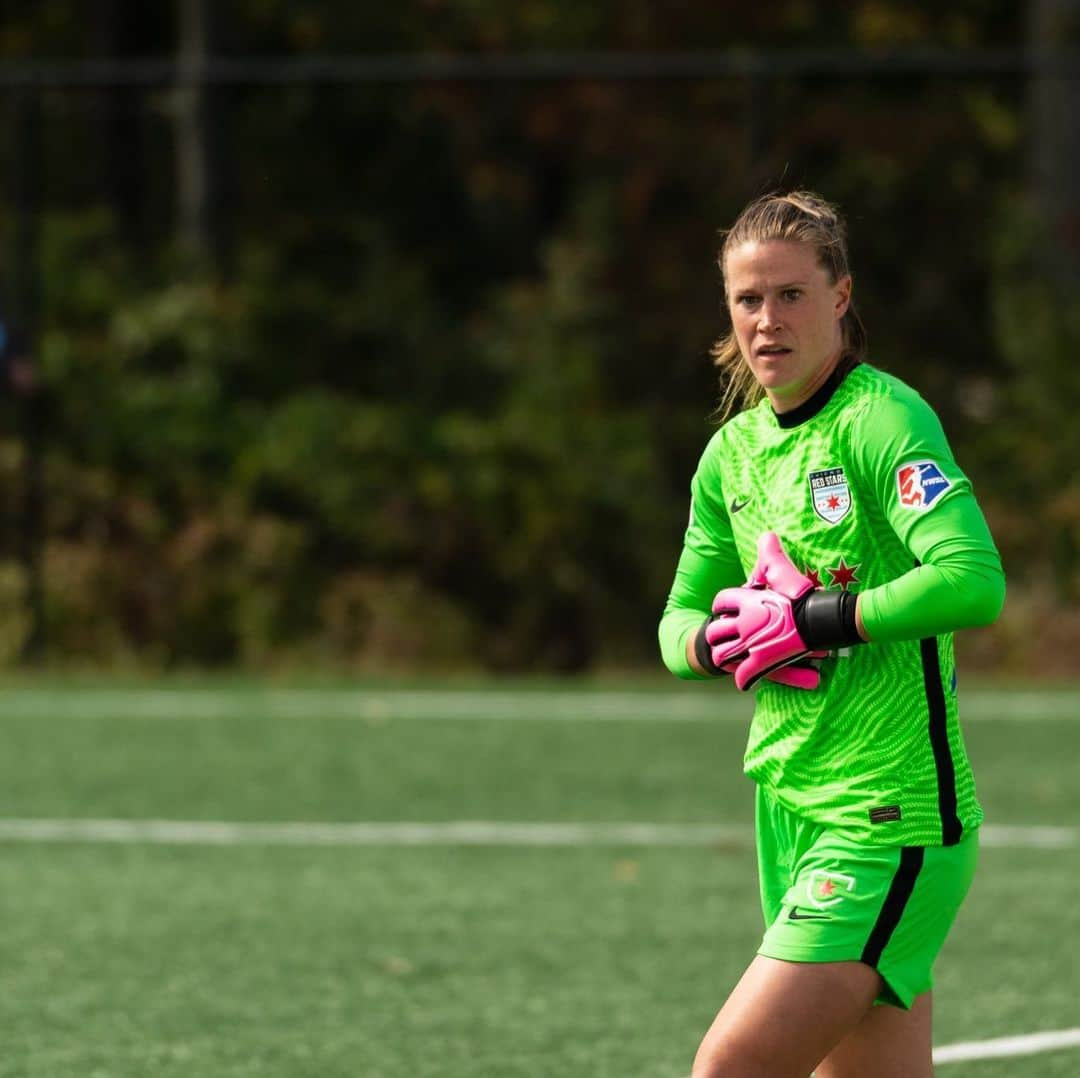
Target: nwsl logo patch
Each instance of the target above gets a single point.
(920, 484)
(831, 494)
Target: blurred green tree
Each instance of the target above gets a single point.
(433, 388)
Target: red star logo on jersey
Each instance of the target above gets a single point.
(843, 576)
(833, 502)
(826, 889)
(813, 576)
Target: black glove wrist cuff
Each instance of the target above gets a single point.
(826, 620)
(703, 653)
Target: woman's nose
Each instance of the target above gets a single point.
(768, 318)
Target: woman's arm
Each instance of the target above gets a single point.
(709, 562)
(959, 584)
(956, 580)
(697, 580)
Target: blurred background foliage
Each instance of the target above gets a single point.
(413, 374)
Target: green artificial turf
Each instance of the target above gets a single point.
(442, 961)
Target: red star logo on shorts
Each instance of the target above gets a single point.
(827, 888)
(843, 575)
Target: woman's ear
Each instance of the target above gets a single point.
(843, 295)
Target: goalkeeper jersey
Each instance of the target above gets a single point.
(862, 488)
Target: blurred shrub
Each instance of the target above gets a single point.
(1028, 450)
(201, 512)
(208, 508)
(375, 622)
(14, 616)
(439, 400)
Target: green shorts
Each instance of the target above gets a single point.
(827, 899)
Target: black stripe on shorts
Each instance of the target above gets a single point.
(903, 883)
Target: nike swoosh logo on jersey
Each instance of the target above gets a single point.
(794, 915)
(736, 505)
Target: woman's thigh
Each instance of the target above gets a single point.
(783, 1018)
(888, 1043)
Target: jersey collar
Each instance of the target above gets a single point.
(810, 407)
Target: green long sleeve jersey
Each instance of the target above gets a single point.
(862, 488)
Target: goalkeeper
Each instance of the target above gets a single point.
(833, 548)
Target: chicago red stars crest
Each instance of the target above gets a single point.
(830, 494)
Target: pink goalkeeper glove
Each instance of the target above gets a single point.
(773, 568)
(778, 619)
(798, 674)
(755, 629)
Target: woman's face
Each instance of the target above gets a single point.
(786, 315)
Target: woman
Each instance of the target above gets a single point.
(833, 548)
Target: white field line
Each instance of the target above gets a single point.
(458, 833)
(376, 705)
(1028, 1044)
(370, 704)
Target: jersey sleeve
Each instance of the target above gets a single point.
(957, 580)
(709, 562)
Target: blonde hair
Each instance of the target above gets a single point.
(803, 217)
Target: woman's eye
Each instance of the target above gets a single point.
(792, 294)
(747, 301)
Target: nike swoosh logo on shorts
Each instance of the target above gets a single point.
(794, 915)
(736, 505)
